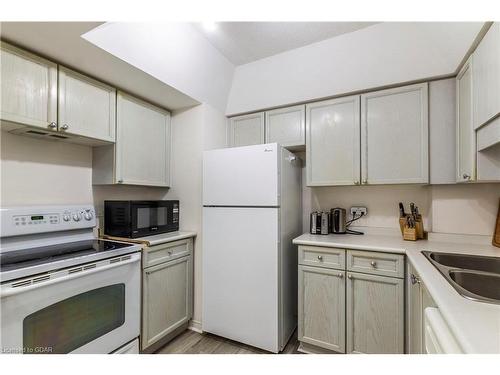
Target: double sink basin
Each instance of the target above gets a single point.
(474, 277)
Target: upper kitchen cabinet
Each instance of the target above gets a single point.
(28, 88)
(286, 126)
(394, 136)
(486, 105)
(466, 149)
(86, 107)
(332, 142)
(246, 130)
(486, 77)
(442, 131)
(141, 155)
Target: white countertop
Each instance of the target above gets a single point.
(475, 325)
(156, 239)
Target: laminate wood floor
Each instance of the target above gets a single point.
(191, 342)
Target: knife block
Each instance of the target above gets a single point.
(419, 229)
(410, 234)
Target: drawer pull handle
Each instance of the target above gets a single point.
(373, 263)
(341, 275)
(320, 257)
(414, 279)
(349, 276)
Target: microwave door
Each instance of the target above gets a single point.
(142, 220)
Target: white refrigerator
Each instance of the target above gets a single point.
(251, 213)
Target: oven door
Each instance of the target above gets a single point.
(92, 308)
(150, 217)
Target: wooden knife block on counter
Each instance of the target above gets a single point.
(412, 234)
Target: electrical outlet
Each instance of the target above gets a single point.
(356, 211)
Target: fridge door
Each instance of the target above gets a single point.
(241, 176)
(240, 275)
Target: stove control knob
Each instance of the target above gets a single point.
(66, 217)
(77, 217)
(88, 215)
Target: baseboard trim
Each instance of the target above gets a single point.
(195, 325)
(311, 349)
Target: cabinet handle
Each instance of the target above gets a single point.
(341, 275)
(52, 125)
(414, 279)
(170, 253)
(349, 276)
(365, 182)
(65, 127)
(466, 176)
(320, 257)
(356, 182)
(373, 263)
(120, 181)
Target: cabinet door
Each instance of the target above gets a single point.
(375, 314)
(332, 142)
(394, 136)
(286, 126)
(246, 130)
(142, 143)
(28, 88)
(414, 322)
(486, 77)
(166, 299)
(322, 307)
(86, 107)
(466, 150)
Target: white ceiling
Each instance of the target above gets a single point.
(244, 42)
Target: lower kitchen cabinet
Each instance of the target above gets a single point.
(417, 301)
(166, 295)
(350, 312)
(322, 307)
(375, 314)
(413, 312)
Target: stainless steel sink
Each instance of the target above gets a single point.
(482, 284)
(470, 262)
(474, 277)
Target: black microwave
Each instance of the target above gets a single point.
(134, 219)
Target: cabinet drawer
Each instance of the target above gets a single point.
(384, 264)
(326, 257)
(161, 253)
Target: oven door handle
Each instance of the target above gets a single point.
(8, 290)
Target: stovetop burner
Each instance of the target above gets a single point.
(17, 259)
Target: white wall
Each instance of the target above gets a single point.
(173, 52)
(35, 171)
(462, 209)
(39, 172)
(199, 128)
(379, 55)
(468, 208)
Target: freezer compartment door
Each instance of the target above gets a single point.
(241, 176)
(240, 275)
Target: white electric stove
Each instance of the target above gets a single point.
(63, 290)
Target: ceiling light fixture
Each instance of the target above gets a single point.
(209, 25)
